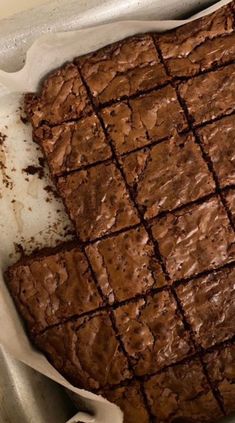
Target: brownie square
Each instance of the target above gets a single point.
(125, 265)
(63, 97)
(85, 351)
(51, 287)
(160, 185)
(153, 333)
(199, 45)
(195, 239)
(218, 140)
(123, 69)
(209, 306)
(97, 201)
(130, 399)
(182, 394)
(211, 95)
(221, 369)
(70, 146)
(230, 199)
(135, 123)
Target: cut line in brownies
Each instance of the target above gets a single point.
(139, 138)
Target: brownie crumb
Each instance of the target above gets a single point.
(24, 119)
(3, 137)
(33, 170)
(41, 161)
(50, 190)
(19, 249)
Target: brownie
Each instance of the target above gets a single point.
(209, 306)
(139, 140)
(97, 201)
(230, 199)
(181, 394)
(218, 141)
(135, 123)
(199, 45)
(195, 239)
(130, 399)
(63, 97)
(221, 369)
(152, 333)
(51, 287)
(125, 265)
(211, 95)
(123, 69)
(164, 184)
(85, 351)
(70, 146)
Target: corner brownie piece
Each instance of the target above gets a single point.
(209, 306)
(97, 201)
(125, 265)
(152, 333)
(199, 45)
(151, 117)
(218, 140)
(70, 146)
(182, 394)
(122, 69)
(63, 97)
(211, 95)
(164, 184)
(85, 351)
(195, 239)
(51, 287)
(221, 369)
(130, 399)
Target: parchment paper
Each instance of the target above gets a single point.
(30, 215)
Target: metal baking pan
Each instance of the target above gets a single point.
(27, 396)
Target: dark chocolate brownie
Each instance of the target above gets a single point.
(122, 69)
(86, 351)
(52, 287)
(209, 306)
(125, 265)
(218, 140)
(150, 117)
(158, 184)
(130, 399)
(63, 97)
(139, 140)
(211, 95)
(195, 239)
(182, 394)
(97, 201)
(70, 146)
(200, 45)
(153, 333)
(221, 368)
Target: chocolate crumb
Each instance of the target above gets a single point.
(24, 119)
(2, 138)
(51, 190)
(41, 161)
(19, 249)
(33, 170)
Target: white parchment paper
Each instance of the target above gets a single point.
(29, 214)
